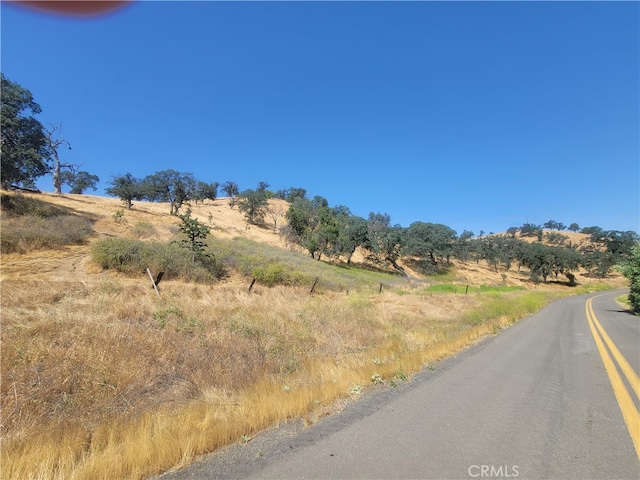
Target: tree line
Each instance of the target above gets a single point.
(335, 232)
(30, 151)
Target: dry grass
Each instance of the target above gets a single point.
(110, 371)
(102, 379)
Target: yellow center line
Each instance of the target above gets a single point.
(625, 402)
(632, 377)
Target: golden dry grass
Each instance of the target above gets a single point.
(102, 379)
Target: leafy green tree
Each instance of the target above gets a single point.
(539, 259)
(254, 204)
(313, 225)
(556, 238)
(486, 249)
(127, 188)
(196, 235)
(463, 246)
(574, 227)
(598, 263)
(553, 225)
(25, 151)
(299, 220)
(171, 186)
(594, 231)
(385, 242)
(620, 244)
(530, 230)
(79, 181)
(610, 247)
(630, 268)
(430, 240)
(352, 233)
(205, 191)
(511, 231)
(294, 193)
(566, 261)
(327, 231)
(508, 249)
(232, 191)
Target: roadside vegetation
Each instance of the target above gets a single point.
(630, 268)
(135, 384)
(103, 379)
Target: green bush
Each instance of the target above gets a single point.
(33, 232)
(630, 268)
(133, 257)
(277, 274)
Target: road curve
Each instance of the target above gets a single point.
(536, 401)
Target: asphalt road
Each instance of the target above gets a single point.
(534, 402)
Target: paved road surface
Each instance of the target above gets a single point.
(534, 402)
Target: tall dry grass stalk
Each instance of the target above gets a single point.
(102, 379)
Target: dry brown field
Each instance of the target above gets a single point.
(101, 378)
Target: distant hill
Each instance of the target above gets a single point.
(151, 221)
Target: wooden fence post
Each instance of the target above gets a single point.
(153, 282)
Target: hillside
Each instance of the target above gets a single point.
(225, 222)
(101, 378)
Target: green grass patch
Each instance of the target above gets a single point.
(593, 287)
(444, 288)
(510, 305)
(623, 300)
(271, 265)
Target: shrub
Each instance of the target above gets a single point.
(630, 268)
(132, 257)
(276, 274)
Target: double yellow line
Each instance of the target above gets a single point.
(625, 401)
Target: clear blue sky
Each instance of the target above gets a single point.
(480, 115)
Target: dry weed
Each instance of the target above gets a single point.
(117, 371)
(100, 378)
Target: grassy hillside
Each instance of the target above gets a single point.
(102, 378)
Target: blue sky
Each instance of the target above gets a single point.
(477, 115)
